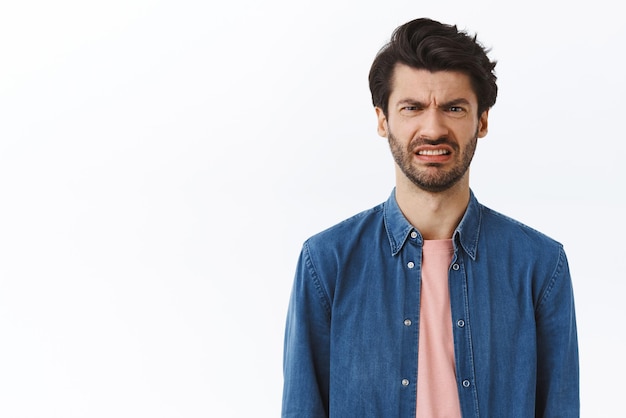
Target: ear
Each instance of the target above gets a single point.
(483, 124)
(382, 123)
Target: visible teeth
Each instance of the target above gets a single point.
(432, 152)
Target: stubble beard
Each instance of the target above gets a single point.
(435, 181)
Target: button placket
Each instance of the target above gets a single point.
(410, 259)
(461, 317)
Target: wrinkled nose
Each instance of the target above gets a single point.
(433, 125)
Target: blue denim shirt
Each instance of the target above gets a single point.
(351, 337)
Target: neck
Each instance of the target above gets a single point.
(435, 215)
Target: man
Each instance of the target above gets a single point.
(430, 304)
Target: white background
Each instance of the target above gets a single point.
(161, 163)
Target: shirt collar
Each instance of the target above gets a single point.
(398, 227)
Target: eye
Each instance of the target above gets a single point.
(456, 111)
(411, 109)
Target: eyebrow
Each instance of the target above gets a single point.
(453, 102)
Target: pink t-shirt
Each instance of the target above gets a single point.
(437, 393)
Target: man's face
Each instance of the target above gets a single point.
(432, 126)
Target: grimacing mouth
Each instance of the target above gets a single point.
(433, 152)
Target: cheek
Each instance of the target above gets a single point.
(401, 129)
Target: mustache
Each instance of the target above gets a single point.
(420, 141)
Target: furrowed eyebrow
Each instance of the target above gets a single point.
(410, 102)
(455, 102)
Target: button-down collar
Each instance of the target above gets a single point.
(399, 229)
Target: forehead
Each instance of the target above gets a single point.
(425, 85)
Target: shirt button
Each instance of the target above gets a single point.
(407, 322)
(405, 382)
(413, 234)
(466, 383)
(410, 264)
(460, 323)
(455, 266)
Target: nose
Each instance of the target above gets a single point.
(432, 124)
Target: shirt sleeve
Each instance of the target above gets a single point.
(557, 347)
(306, 354)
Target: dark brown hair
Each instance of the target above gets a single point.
(433, 46)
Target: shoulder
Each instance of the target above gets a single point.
(510, 225)
(329, 251)
(505, 232)
(350, 228)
